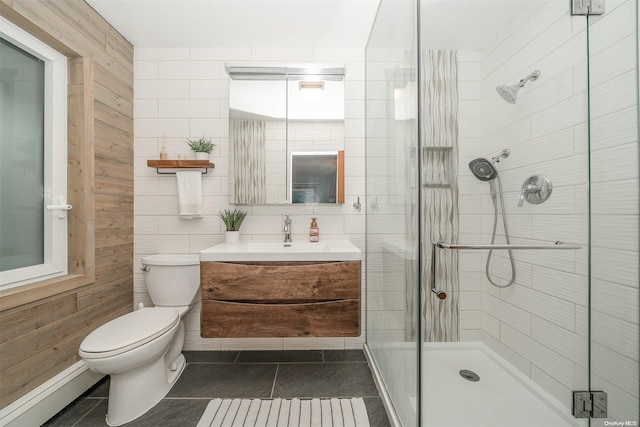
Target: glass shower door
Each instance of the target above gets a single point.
(391, 206)
(613, 153)
(505, 161)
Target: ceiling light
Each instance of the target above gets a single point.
(311, 91)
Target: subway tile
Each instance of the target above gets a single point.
(607, 363)
(189, 70)
(617, 128)
(146, 108)
(212, 89)
(560, 116)
(158, 127)
(491, 325)
(470, 319)
(616, 232)
(545, 16)
(470, 300)
(568, 344)
(519, 362)
(562, 393)
(613, 61)
(620, 404)
(615, 25)
(188, 108)
(161, 53)
(507, 313)
(615, 300)
(614, 95)
(560, 227)
(155, 205)
(145, 70)
(168, 225)
(159, 89)
(199, 242)
(615, 334)
(553, 309)
(550, 362)
(156, 244)
(566, 286)
(615, 164)
(145, 224)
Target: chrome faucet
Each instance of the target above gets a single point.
(287, 229)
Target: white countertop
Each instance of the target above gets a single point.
(328, 250)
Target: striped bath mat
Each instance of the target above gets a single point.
(285, 413)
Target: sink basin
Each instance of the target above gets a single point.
(329, 250)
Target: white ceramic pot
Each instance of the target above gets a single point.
(202, 156)
(231, 237)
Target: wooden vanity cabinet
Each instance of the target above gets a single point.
(280, 299)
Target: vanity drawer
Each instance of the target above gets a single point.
(283, 281)
(227, 319)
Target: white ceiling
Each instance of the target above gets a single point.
(241, 23)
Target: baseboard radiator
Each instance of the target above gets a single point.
(42, 403)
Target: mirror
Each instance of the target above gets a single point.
(281, 117)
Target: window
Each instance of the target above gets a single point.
(33, 158)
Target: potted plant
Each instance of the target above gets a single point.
(232, 219)
(202, 147)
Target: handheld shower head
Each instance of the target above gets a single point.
(510, 93)
(483, 169)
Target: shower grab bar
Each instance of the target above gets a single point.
(445, 245)
(556, 245)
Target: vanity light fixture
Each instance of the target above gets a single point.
(310, 91)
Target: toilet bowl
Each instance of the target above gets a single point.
(142, 350)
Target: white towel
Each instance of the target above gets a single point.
(189, 194)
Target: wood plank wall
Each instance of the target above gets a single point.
(41, 326)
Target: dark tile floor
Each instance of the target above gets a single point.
(242, 374)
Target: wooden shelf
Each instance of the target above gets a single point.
(171, 165)
(198, 164)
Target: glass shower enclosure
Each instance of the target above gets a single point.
(502, 212)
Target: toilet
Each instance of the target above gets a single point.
(142, 350)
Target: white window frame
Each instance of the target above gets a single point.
(55, 159)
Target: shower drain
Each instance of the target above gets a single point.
(469, 375)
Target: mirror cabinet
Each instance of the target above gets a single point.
(286, 134)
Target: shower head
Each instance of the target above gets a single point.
(483, 169)
(510, 93)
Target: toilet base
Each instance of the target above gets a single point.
(133, 393)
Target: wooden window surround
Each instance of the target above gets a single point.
(80, 194)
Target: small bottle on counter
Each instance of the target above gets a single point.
(314, 231)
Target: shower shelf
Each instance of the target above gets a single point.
(172, 165)
(437, 148)
(441, 158)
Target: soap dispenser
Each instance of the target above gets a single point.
(314, 231)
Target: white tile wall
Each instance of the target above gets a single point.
(183, 92)
(543, 317)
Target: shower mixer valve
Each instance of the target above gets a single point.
(535, 190)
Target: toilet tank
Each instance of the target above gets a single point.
(172, 280)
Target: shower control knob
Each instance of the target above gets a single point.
(535, 190)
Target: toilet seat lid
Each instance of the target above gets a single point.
(131, 330)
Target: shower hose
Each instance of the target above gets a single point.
(506, 234)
